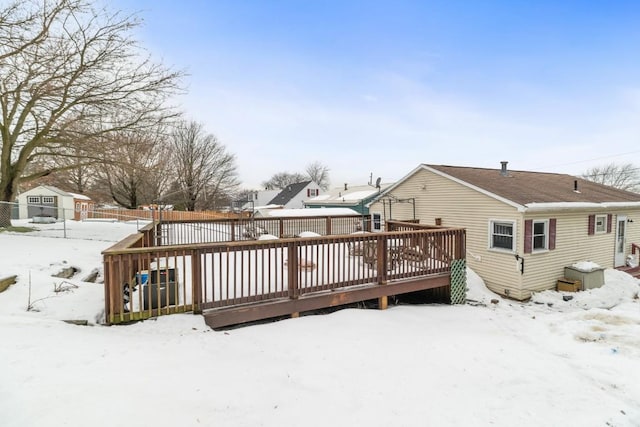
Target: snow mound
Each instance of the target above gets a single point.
(477, 291)
(308, 234)
(267, 237)
(586, 266)
(619, 288)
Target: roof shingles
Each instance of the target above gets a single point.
(523, 187)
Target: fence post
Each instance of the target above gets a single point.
(281, 221)
(328, 227)
(64, 222)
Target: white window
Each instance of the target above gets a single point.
(377, 223)
(33, 199)
(601, 223)
(47, 200)
(502, 235)
(540, 235)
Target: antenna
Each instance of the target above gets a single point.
(378, 182)
(370, 178)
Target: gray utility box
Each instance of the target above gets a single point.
(151, 299)
(160, 288)
(592, 278)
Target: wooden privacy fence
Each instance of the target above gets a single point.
(158, 215)
(142, 282)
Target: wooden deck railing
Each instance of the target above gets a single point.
(142, 282)
(242, 229)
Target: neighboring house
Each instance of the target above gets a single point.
(255, 199)
(354, 197)
(294, 195)
(523, 228)
(49, 201)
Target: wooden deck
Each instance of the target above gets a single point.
(237, 282)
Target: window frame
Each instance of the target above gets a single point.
(48, 200)
(545, 248)
(506, 222)
(604, 218)
(376, 220)
(33, 200)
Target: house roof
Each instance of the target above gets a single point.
(352, 196)
(528, 190)
(288, 193)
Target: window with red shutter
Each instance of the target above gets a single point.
(528, 226)
(592, 225)
(609, 221)
(552, 234)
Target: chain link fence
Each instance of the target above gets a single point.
(62, 222)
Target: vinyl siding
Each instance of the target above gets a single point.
(460, 206)
(573, 244)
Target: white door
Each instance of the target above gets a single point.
(621, 231)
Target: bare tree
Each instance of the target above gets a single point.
(281, 180)
(69, 74)
(624, 177)
(202, 165)
(319, 174)
(137, 170)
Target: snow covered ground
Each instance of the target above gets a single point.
(547, 362)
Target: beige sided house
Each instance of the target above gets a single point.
(523, 227)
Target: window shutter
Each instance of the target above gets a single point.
(609, 221)
(528, 226)
(308, 192)
(592, 225)
(552, 234)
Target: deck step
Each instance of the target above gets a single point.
(634, 271)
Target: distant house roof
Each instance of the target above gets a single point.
(288, 193)
(352, 196)
(527, 190)
(307, 212)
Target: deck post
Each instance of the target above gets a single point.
(381, 268)
(328, 226)
(292, 270)
(196, 285)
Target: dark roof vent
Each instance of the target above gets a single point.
(503, 170)
(575, 186)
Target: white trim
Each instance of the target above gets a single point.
(604, 223)
(546, 236)
(514, 235)
(563, 206)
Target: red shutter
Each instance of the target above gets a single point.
(592, 225)
(552, 234)
(308, 192)
(609, 221)
(528, 226)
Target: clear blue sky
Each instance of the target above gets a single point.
(379, 87)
